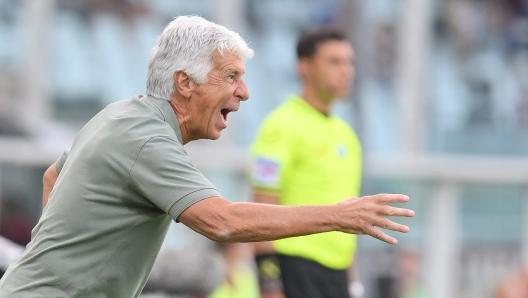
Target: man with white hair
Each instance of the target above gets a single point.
(113, 195)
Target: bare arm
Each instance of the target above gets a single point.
(224, 221)
(50, 177)
(265, 247)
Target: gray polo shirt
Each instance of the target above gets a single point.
(123, 181)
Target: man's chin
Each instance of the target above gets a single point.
(341, 92)
(214, 136)
(341, 95)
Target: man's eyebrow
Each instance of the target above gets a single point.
(234, 71)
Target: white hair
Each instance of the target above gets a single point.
(187, 44)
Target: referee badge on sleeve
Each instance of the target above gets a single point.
(341, 151)
(266, 172)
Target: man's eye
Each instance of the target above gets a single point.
(231, 77)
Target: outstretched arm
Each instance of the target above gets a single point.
(224, 221)
(265, 247)
(50, 177)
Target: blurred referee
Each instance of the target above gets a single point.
(303, 155)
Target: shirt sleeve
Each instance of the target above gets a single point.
(164, 174)
(272, 156)
(59, 164)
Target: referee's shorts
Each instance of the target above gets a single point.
(302, 278)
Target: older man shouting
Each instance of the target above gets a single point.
(114, 194)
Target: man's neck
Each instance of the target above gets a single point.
(183, 118)
(318, 101)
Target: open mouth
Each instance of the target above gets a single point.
(224, 113)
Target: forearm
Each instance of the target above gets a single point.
(264, 222)
(50, 177)
(266, 197)
(223, 221)
(250, 222)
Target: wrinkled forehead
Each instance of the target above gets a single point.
(228, 60)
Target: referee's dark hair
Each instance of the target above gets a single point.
(310, 39)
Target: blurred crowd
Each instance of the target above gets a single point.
(479, 75)
(476, 86)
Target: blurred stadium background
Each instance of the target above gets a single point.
(440, 103)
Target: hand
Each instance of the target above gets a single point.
(363, 215)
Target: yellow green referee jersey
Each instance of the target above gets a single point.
(307, 158)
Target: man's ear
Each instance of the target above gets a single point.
(303, 67)
(183, 84)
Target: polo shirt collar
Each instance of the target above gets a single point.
(169, 116)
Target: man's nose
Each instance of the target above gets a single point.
(242, 90)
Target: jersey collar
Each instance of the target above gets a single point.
(169, 116)
(308, 108)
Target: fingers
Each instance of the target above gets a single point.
(391, 198)
(394, 211)
(382, 236)
(387, 224)
(373, 211)
(385, 199)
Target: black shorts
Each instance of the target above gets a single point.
(302, 278)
